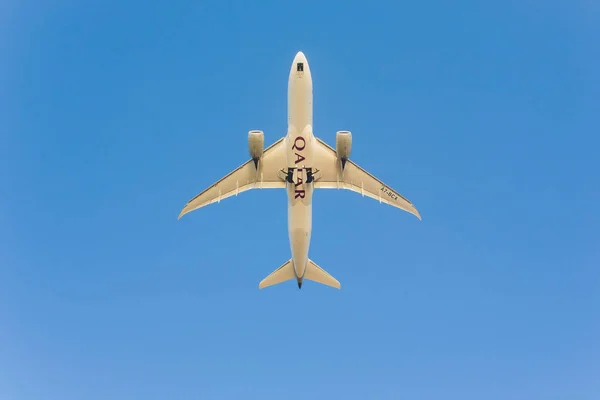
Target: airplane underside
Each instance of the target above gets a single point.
(300, 163)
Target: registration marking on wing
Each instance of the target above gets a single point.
(389, 193)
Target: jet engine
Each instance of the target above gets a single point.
(343, 146)
(256, 144)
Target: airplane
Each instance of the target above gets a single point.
(300, 162)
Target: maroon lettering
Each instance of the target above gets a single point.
(299, 158)
(299, 141)
(299, 175)
(299, 146)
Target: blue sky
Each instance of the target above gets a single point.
(485, 115)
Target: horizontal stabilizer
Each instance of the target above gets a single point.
(319, 275)
(281, 274)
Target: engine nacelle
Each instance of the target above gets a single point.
(343, 145)
(256, 144)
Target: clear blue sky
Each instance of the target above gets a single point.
(485, 115)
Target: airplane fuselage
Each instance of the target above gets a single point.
(299, 143)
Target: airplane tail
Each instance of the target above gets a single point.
(281, 274)
(286, 272)
(317, 274)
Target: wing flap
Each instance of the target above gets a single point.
(244, 178)
(356, 179)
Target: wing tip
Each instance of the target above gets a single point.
(182, 213)
(416, 213)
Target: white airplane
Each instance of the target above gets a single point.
(299, 163)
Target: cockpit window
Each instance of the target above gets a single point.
(300, 67)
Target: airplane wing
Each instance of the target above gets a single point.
(354, 178)
(245, 177)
